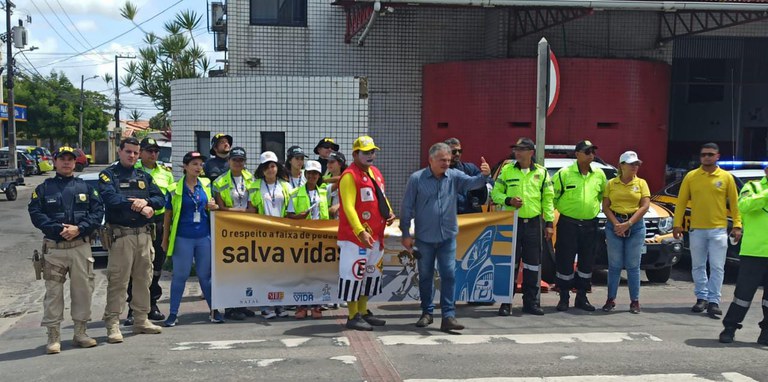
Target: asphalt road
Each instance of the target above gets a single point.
(665, 342)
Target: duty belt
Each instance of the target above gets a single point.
(66, 244)
(578, 221)
(120, 231)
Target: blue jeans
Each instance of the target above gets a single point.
(712, 245)
(185, 250)
(624, 252)
(445, 254)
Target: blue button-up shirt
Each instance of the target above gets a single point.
(431, 202)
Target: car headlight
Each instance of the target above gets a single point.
(665, 225)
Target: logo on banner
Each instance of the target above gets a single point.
(326, 293)
(275, 296)
(249, 292)
(370, 269)
(303, 296)
(358, 269)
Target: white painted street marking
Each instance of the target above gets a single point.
(529, 339)
(213, 345)
(602, 378)
(294, 342)
(341, 341)
(347, 359)
(568, 358)
(264, 362)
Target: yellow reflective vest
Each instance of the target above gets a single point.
(176, 194)
(302, 203)
(162, 177)
(222, 186)
(753, 205)
(534, 188)
(579, 196)
(257, 201)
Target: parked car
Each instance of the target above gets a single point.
(9, 180)
(660, 252)
(742, 171)
(25, 162)
(97, 250)
(81, 161)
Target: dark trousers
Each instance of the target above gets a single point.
(529, 246)
(575, 236)
(753, 273)
(155, 290)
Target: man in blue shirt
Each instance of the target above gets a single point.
(430, 199)
(471, 201)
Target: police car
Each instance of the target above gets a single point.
(92, 178)
(742, 171)
(660, 252)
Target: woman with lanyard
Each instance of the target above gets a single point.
(187, 218)
(294, 162)
(626, 199)
(269, 196)
(231, 193)
(337, 163)
(309, 202)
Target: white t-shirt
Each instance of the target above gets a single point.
(298, 182)
(239, 193)
(273, 198)
(314, 212)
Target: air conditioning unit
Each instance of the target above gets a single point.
(220, 38)
(218, 20)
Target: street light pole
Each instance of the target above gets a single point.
(10, 107)
(80, 128)
(118, 135)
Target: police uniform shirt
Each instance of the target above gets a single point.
(215, 167)
(65, 200)
(117, 184)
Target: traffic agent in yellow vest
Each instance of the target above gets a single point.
(534, 187)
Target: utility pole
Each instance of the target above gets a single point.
(118, 134)
(80, 128)
(542, 98)
(10, 107)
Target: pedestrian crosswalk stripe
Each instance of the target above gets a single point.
(528, 339)
(213, 345)
(294, 342)
(264, 362)
(347, 359)
(731, 377)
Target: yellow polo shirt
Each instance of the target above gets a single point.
(625, 198)
(708, 194)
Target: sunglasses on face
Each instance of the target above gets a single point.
(588, 151)
(326, 147)
(708, 154)
(151, 151)
(456, 151)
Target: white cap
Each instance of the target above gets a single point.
(267, 156)
(629, 157)
(313, 165)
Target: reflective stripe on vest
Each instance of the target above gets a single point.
(225, 183)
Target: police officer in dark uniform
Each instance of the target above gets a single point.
(67, 210)
(218, 163)
(131, 197)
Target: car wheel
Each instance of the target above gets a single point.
(78, 167)
(658, 275)
(10, 192)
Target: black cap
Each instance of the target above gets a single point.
(149, 143)
(525, 143)
(215, 141)
(295, 151)
(64, 150)
(237, 152)
(585, 144)
(188, 157)
(338, 156)
(327, 141)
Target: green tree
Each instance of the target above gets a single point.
(164, 59)
(53, 110)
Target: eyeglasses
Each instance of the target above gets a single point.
(588, 151)
(708, 154)
(456, 151)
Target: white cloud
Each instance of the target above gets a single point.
(86, 25)
(109, 8)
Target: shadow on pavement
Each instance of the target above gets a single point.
(713, 343)
(24, 354)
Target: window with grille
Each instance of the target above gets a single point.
(288, 13)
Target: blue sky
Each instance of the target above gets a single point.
(65, 28)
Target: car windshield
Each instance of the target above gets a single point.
(165, 154)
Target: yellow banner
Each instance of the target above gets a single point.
(262, 261)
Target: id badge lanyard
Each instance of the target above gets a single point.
(196, 216)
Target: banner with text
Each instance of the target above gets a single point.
(261, 261)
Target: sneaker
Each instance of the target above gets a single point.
(155, 314)
(700, 306)
(373, 320)
(343, 304)
(357, 323)
(425, 320)
(450, 324)
(610, 304)
(317, 313)
(280, 311)
(324, 307)
(268, 314)
(216, 317)
(247, 312)
(301, 313)
(713, 310)
(634, 307)
(171, 321)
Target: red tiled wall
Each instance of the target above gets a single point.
(485, 103)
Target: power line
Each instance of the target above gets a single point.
(62, 24)
(53, 28)
(114, 38)
(73, 25)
